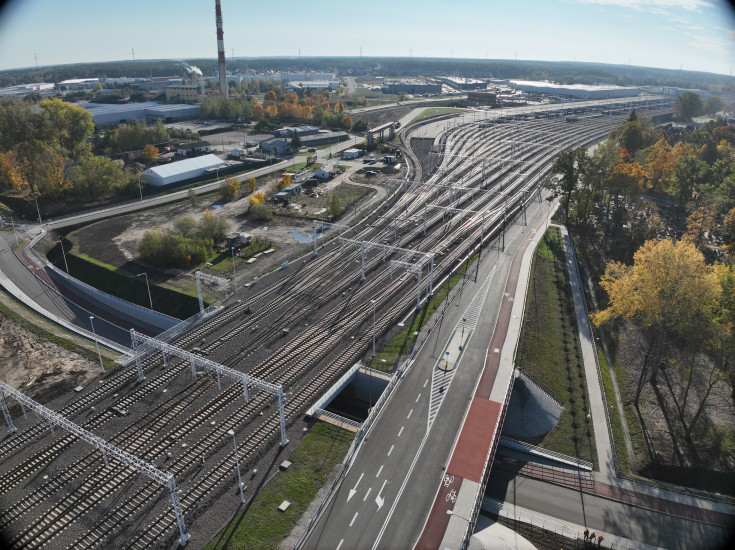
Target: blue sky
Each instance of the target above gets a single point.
(688, 34)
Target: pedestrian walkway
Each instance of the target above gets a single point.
(605, 457)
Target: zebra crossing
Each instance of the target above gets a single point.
(441, 377)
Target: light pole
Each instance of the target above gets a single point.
(17, 242)
(40, 221)
(237, 461)
(453, 513)
(63, 253)
(91, 322)
(373, 302)
(234, 274)
(140, 188)
(148, 286)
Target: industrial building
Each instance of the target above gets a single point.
(483, 98)
(104, 115)
(189, 149)
(277, 146)
(294, 85)
(183, 93)
(300, 131)
(581, 91)
(459, 83)
(79, 83)
(23, 90)
(182, 170)
(411, 87)
(324, 138)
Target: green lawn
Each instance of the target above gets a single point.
(437, 111)
(260, 524)
(549, 349)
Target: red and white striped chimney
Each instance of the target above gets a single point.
(221, 50)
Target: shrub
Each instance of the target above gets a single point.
(260, 212)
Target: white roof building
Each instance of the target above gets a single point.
(182, 170)
(582, 91)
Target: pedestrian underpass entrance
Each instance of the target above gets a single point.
(348, 402)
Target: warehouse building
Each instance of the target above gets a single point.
(581, 91)
(324, 138)
(104, 115)
(300, 131)
(182, 170)
(411, 87)
(183, 93)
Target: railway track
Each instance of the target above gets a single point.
(330, 310)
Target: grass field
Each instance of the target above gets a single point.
(260, 524)
(549, 349)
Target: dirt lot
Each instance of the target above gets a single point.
(115, 241)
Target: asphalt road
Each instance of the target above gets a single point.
(386, 496)
(51, 300)
(604, 515)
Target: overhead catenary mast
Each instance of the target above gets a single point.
(221, 50)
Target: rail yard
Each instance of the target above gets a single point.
(299, 328)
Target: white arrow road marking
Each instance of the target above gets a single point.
(380, 500)
(354, 489)
(353, 519)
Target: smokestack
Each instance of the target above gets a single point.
(221, 50)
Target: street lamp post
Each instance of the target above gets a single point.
(140, 188)
(234, 274)
(40, 221)
(63, 253)
(237, 461)
(91, 322)
(17, 242)
(373, 302)
(453, 513)
(148, 286)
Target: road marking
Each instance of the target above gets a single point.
(340, 543)
(353, 519)
(427, 381)
(391, 450)
(380, 500)
(417, 399)
(379, 470)
(368, 493)
(400, 431)
(354, 489)
(409, 414)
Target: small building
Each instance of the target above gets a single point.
(352, 153)
(323, 174)
(238, 241)
(282, 196)
(196, 148)
(277, 146)
(293, 189)
(182, 170)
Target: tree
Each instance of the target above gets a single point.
(213, 228)
(346, 123)
(335, 205)
(566, 164)
(229, 189)
(192, 197)
(43, 168)
(309, 160)
(713, 105)
(668, 292)
(260, 212)
(257, 198)
(628, 179)
(660, 163)
(688, 105)
(360, 126)
(270, 95)
(296, 141)
(251, 184)
(96, 177)
(285, 181)
(11, 175)
(71, 126)
(149, 153)
(689, 174)
(258, 112)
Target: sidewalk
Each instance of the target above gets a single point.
(607, 480)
